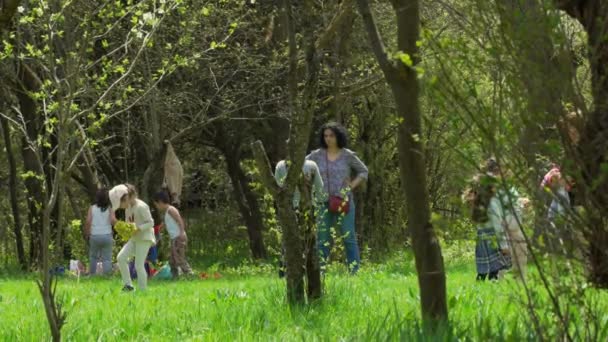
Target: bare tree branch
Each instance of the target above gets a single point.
(374, 36)
(263, 165)
(345, 10)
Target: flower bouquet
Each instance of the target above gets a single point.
(125, 230)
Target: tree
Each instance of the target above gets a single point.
(301, 114)
(17, 225)
(591, 154)
(401, 75)
(61, 106)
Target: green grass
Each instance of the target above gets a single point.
(381, 303)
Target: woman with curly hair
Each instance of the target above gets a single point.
(342, 172)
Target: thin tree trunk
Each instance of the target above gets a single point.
(306, 219)
(404, 85)
(89, 178)
(294, 260)
(48, 284)
(256, 221)
(17, 226)
(251, 214)
(30, 164)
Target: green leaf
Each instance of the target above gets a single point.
(405, 58)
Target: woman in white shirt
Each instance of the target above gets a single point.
(98, 231)
(138, 212)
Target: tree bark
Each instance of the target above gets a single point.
(152, 179)
(51, 204)
(8, 8)
(17, 226)
(33, 185)
(294, 260)
(402, 79)
(248, 205)
(591, 154)
(90, 181)
(306, 219)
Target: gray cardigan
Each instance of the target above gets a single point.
(339, 173)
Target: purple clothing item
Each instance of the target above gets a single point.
(341, 171)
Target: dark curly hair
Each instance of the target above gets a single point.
(339, 131)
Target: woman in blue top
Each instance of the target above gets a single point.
(342, 172)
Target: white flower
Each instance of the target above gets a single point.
(20, 9)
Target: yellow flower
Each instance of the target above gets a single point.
(125, 230)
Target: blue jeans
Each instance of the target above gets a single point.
(344, 226)
(100, 249)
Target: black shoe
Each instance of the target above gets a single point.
(128, 288)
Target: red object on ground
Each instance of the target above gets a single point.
(203, 276)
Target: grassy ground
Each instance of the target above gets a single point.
(380, 303)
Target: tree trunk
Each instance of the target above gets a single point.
(30, 164)
(306, 219)
(257, 246)
(593, 148)
(402, 79)
(292, 239)
(339, 61)
(248, 205)
(227, 141)
(48, 283)
(152, 179)
(90, 183)
(591, 154)
(8, 8)
(17, 226)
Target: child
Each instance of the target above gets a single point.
(98, 231)
(558, 185)
(138, 212)
(175, 226)
(555, 183)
